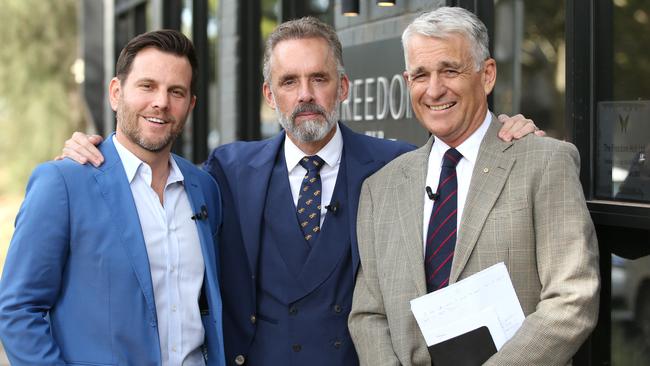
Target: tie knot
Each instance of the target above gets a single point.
(312, 163)
(451, 158)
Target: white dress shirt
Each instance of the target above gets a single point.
(330, 153)
(175, 259)
(469, 149)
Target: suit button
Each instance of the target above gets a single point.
(337, 308)
(296, 347)
(337, 343)
(293, 310)
(253, 319)
(240, 360)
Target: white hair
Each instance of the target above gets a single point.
(445, 21)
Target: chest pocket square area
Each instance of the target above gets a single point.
(509, 207)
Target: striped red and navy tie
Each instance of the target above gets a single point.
(441, 235)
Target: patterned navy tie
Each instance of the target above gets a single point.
(441, 235)
(309, 198)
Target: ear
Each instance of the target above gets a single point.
(192, 103)
(345, 87)
(114, 91)
(489, 74)
(405, 75)
(268, 95)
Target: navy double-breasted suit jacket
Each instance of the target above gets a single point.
(243, 171)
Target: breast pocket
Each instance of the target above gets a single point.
(510, 209)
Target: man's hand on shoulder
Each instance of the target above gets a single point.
(82, 148)
(516, 127)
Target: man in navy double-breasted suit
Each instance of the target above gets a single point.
(287, 298)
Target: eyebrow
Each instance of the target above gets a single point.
(450, 64)
(150, 80)
(418, 70)
(440, 65)
(320, 74)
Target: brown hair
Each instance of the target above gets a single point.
(306, 27)
(166, 40)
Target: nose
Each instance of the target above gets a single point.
(305, 93)
(160, 99)
(436, 87)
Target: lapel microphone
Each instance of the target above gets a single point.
(333, 207)
(201, 215)
(432, 196)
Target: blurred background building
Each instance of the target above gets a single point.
(579, 68)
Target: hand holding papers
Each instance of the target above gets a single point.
(486, 298)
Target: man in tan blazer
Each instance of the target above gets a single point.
(518, 202)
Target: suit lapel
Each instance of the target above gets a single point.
(488, 178)
(279, 208)
(359, 165)
(333, 242)
(253, 179)
(117, 193)
(197, 200)
(411, 210)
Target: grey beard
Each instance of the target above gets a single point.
(309, 130)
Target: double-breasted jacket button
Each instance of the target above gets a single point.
(337, 308)
(296, 347)
(240, 360)
(253, 319)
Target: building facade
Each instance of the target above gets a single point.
(580, 69)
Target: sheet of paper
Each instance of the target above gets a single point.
(486, 298)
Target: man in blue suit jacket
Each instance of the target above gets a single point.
(286, 298)
(90, 277)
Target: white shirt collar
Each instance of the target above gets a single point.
(132, 164)
(330, 153)
(468, 148)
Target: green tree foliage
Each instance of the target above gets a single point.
(39, 100)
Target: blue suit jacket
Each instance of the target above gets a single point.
(76, 286)
(243, 170)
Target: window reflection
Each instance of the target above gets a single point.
(630, 311)
(529, 47)
(623, 132)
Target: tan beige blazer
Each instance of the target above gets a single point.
(525, 207)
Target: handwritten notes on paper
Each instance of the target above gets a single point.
(486, 298)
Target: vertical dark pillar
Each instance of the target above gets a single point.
(579, 116)
(172, 14)
(200, 114)
(249, 71)
(292, 9)
(92, 36)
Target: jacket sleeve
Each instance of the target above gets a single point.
(33, 270)
(368, 322)
(567, 263)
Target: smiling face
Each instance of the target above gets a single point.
(449, 95)
(153, 101)
(305, 89)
